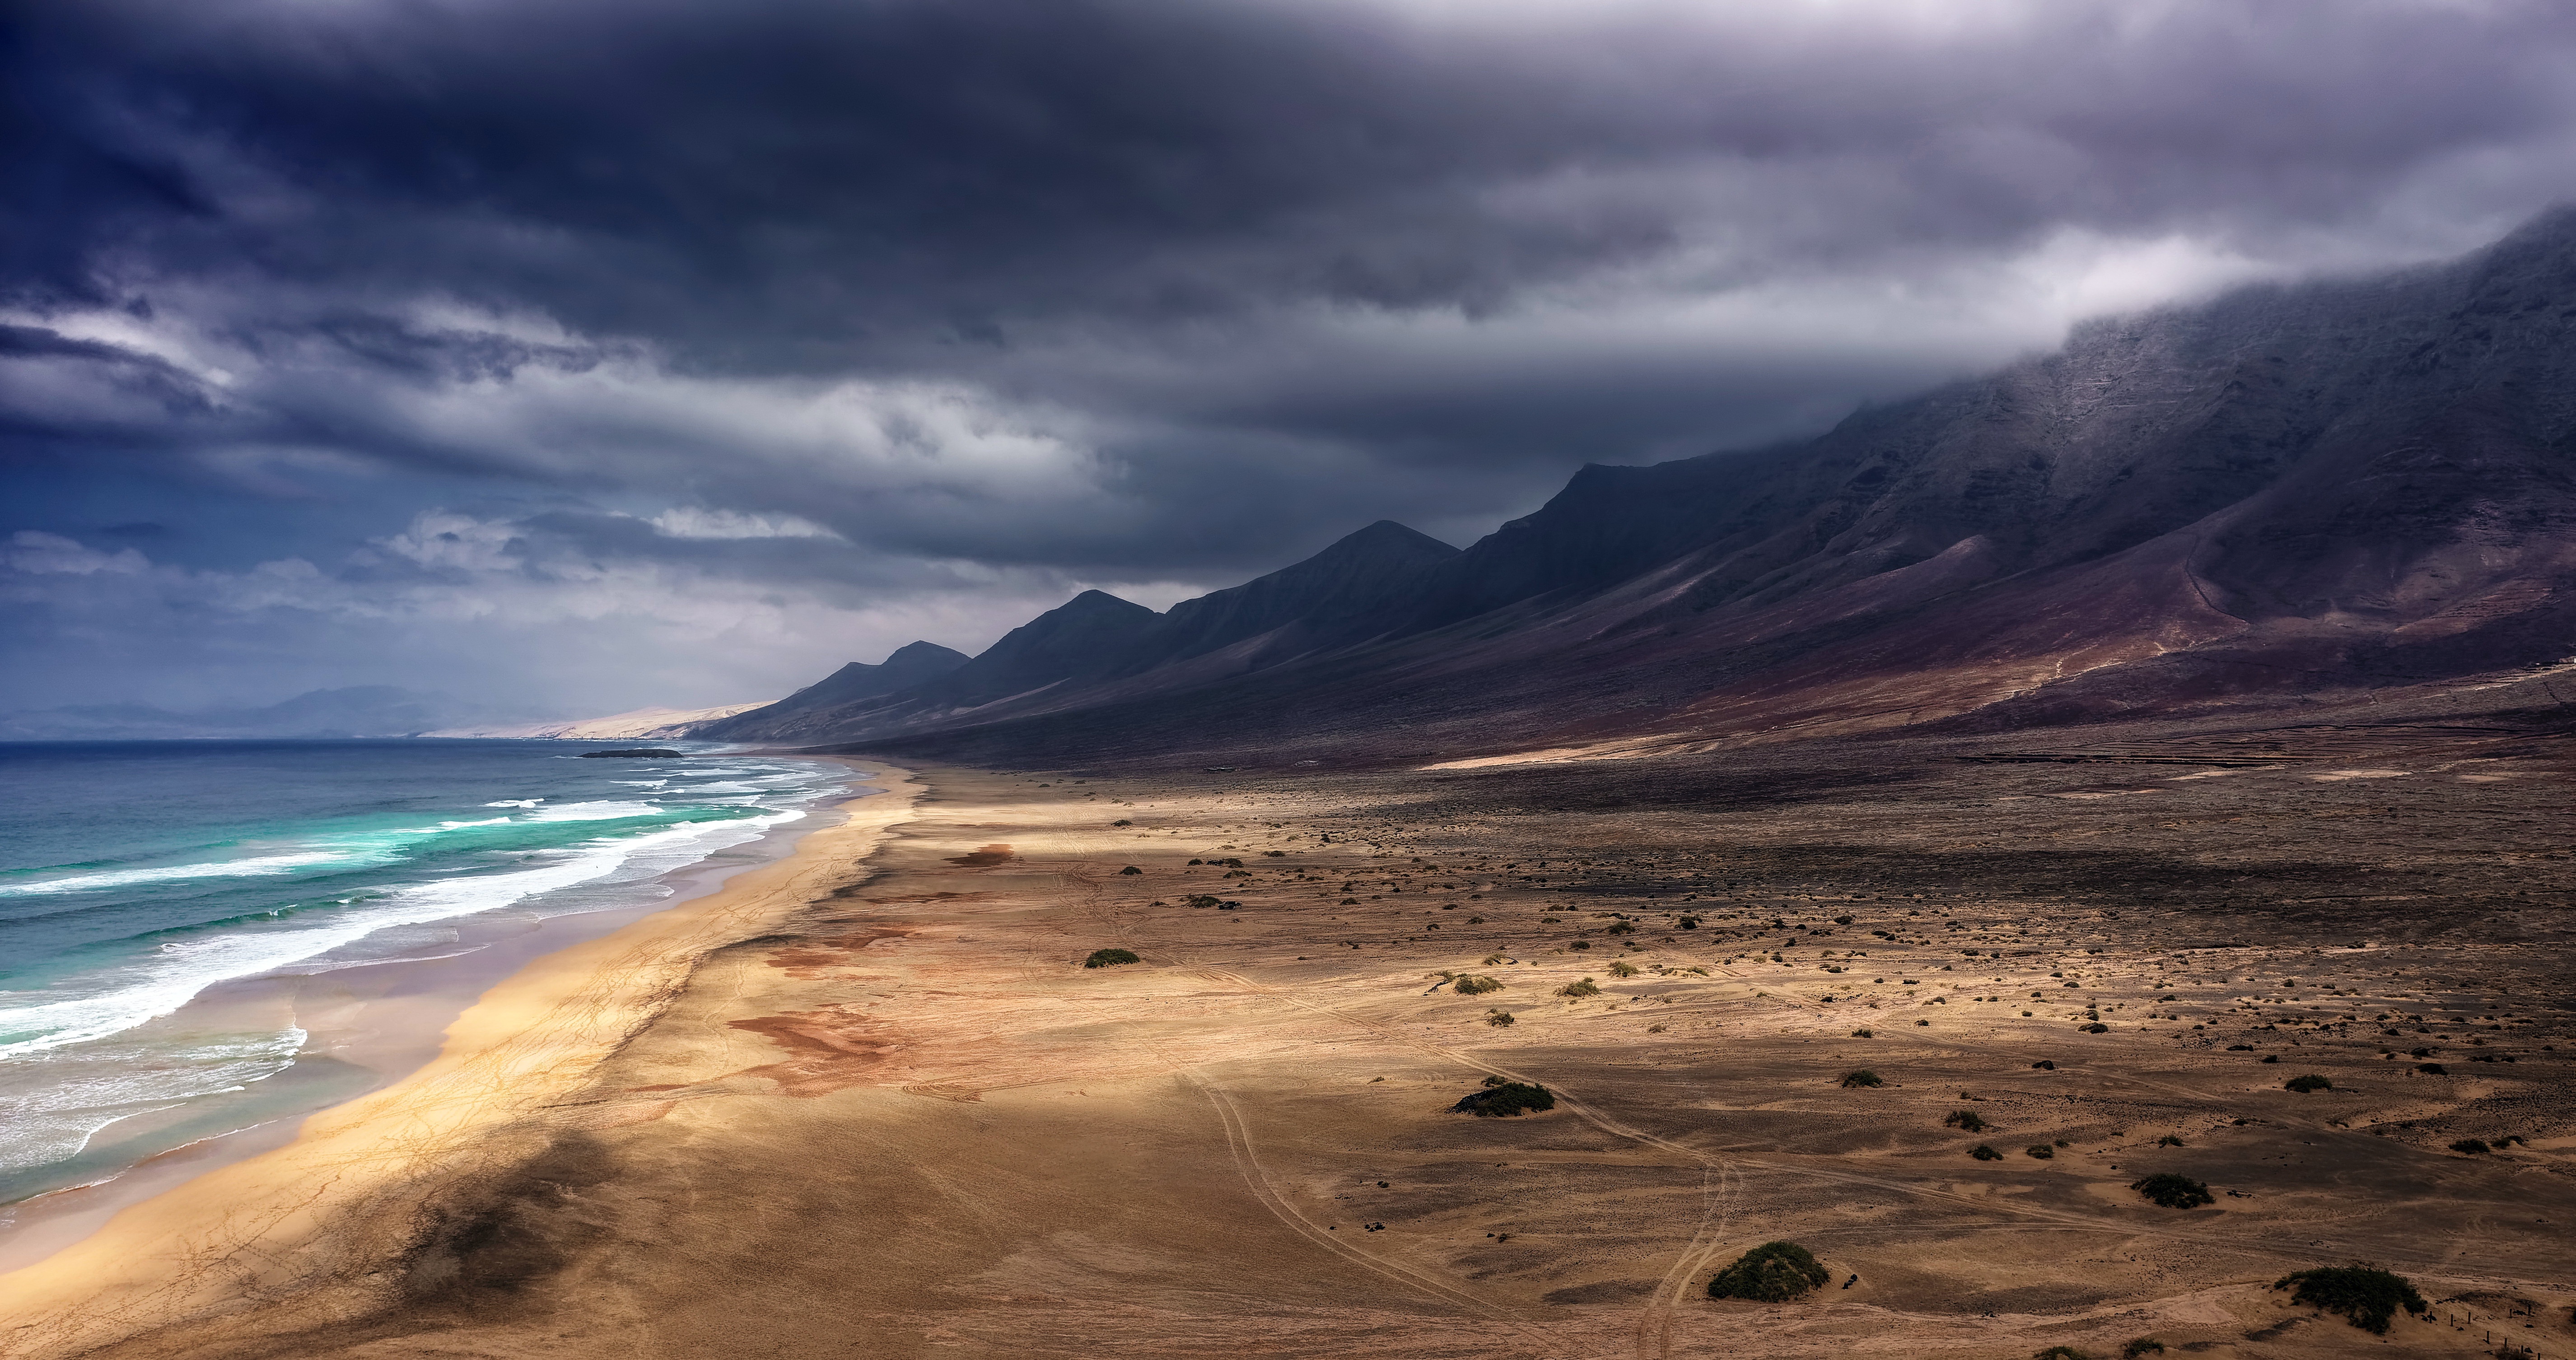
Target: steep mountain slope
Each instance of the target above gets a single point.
(909, 665)
(1337, 597)
(2341, 484)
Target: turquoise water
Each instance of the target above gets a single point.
(149, 891)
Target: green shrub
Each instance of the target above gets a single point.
(2366, 1297)
(1863, 1077)
(1466, 985)
(2172, 1191)
(1505, 1098)
(1774, 1272)
(1499, 1019)
(1984, 1153)
(1107, 958)
(1622, 968)
(1587, 987)
(1967, 1121)
(2305, 1084)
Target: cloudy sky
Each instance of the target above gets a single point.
(587, 354)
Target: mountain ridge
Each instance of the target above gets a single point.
(2337, 483)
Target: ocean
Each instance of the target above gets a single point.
(202, 937)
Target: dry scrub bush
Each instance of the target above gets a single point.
(2172, 1191)
(2365, 1296)
(1774, 1272)
(1110, 958)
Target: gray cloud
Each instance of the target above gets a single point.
(1005, 297)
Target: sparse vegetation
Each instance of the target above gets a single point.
(1587, 987)
(2168, 1141)
(2365, 1296)
(2305, 1084)
(2471, 1147)
(1505, 1098)
(2061, 1353)
(1774, 1272)
(1123, 821)
(1967, 1121)
(1862, 1077)
(2041, 1150)
(2144, 1345)
(1468, 984)
(1110, 958)
(1984, 1153)
(1131, 869)
(1622, 968)
(1499, 1019)
(2172, 1191)
(1863, 1034)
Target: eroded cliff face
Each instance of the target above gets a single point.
(2334, 485)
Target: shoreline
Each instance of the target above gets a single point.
(252, 1203)
(368, 1026)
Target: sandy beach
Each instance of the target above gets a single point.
(314, 1219)
(882, 1109)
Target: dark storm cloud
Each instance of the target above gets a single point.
(948, 302)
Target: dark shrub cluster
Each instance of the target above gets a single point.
(1774, 1272)
(1967, 1121)
(2172, 1191)
(1106, 958)
(1863, 1077)
(1984, 1153)
(2366, 1297)
(1505, 1098)
(2305, 1084)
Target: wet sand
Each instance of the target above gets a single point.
(901, 1119)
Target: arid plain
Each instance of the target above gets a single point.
(908, 1122)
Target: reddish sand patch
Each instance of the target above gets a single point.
(988, 857)
(829, 1049)
(807, 959)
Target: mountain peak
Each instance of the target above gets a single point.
(1384, 541)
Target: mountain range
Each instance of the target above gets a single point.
(2333, 486)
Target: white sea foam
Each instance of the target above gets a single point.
(118, 998)
(605, 810)
(226, 868)
(52, 1108)
(516, 802)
